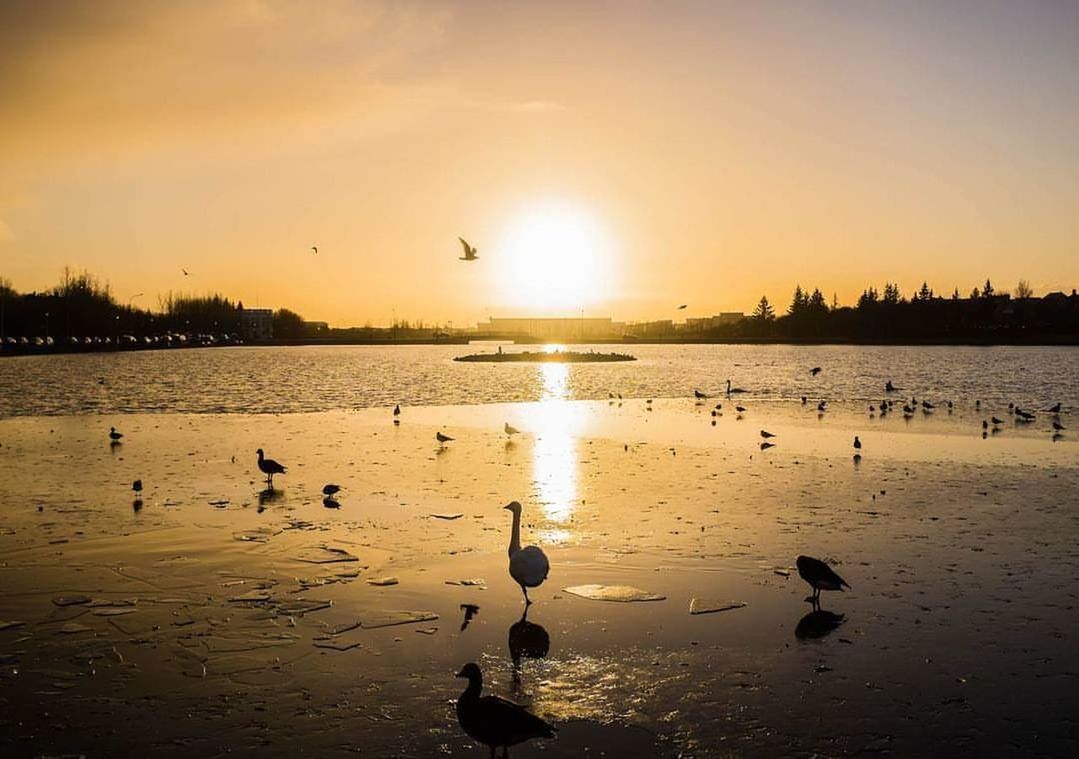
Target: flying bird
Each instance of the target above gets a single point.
(269, 467)
(528, 565)
(494, 721)
(315, 248)
(819, 576)
(683, 306)
(186, 272)
(815, 371)
(470, 251)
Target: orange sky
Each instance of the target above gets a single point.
(618, 158)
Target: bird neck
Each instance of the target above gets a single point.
(515, 537)
(472, 691)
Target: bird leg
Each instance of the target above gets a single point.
(528, 601)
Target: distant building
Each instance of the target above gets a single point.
(316, 327)
(257, 324)
(660, 328)
(554, 328)
(711, 322)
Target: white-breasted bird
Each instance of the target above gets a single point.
(528, 566)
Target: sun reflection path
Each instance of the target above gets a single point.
(555, 423)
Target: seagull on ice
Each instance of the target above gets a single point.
(528, 565)
(815, 371)
(494, 721)
(699, 395)
(442, 438)
(470, 251)
(766, 434)
(510, 429)
(269, 467)
(819, 576)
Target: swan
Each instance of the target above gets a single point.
(494, 721)
(269, 467)
(819, 575)
(734, 389)
(528, 565)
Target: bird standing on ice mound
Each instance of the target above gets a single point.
(528, 566)
(820, 576)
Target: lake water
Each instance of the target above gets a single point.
(306, 379)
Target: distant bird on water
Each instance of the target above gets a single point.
(699, 395)
(470, 251)
(1055, 409)
(528, 565)
(740, 409)
(115, 436)
(996, 422)
(815, 371)
(889, 387)
(683, 307)
(766, 434)
(857, 443)
(330, 490)
(733, 389)
(269, 467)
(494, 721)
(510, 429)
(819, 576)
(442, 438)
(137, 486)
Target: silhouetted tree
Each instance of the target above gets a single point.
(764, 311)
(891, 294)
(799, 302)
(1023, 290)
(288, 324)
(987, 291)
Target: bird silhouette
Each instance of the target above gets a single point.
(470, 610)
(470, 251)
(1058, 426)
(815, 371)
(529, 566)
(137, 486)
(269, 467)
(1055, 409)
(315, 248)
(510, 429)
(683, 307)
(819, 576)
(330, 490)
(857, 443)
(115, 436)
(494, 721)
(699, 395)
(766, 434)
(186, 272)
(441, 438)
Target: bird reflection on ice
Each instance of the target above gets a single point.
(555, 424)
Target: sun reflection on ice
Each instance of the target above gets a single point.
(555, 424)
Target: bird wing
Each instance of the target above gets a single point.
(469, 250)
(530, 566)
(514, 719)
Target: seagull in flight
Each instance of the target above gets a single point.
(815, 371)
(470, 251)
(315, 248)
(186, 272)
(683, 307)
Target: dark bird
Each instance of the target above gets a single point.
(510, 430)
(330, 503)
(683, 307)
(186, 272)
(114, 435)
(470, 252)
(269, 467)
(315, 248)
(804, 400)
(889, 387)
(928, 406)
(857, 443)
(766, 445)
(734, 389)
(1058, 426)
(740, 409)
(996, 422)
(470, 610)
(442, 438)
(494, 721)
(819, 576)
(1055, 409)
(822, 406)
(397, 410)
(766, 434)
(985, 424)
(699, 395)
(815, 371)
(331, 490)
(137, 486)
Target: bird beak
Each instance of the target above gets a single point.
(508, 506)
(461, 674)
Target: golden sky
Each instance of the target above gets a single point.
(617, 158)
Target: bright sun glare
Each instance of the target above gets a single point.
(554, 258)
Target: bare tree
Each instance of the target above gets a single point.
(1024, 290)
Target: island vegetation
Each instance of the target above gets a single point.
(545, 357)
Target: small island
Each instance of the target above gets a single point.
(546, 357)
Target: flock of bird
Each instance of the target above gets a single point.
(497, 722)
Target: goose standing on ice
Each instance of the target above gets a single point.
(820, 576)
(528, 565)
(494, 721)
(269, 467)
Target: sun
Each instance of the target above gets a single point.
(554, 258)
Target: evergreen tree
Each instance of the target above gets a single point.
(764, 311)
